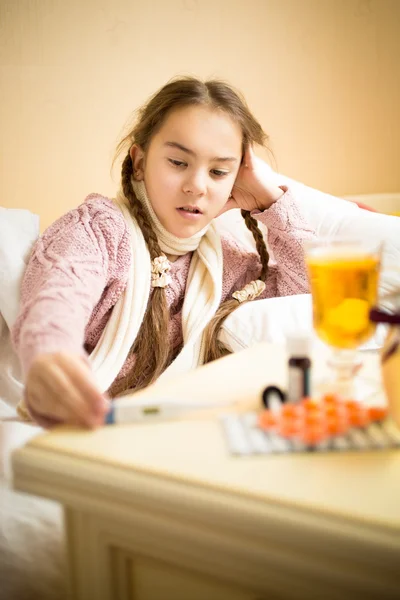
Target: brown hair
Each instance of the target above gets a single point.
(151, 345)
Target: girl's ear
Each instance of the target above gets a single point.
(137, 156)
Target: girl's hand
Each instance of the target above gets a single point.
(60, 388)
(253, 189)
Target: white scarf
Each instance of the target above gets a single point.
(202, 297)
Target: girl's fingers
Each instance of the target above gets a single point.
(62, 390)
(84, 381)
(248, 157)
(41, 402)
(62, 387)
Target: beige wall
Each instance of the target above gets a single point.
(321, 75)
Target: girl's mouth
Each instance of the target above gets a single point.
(190, 212)
(191, 209)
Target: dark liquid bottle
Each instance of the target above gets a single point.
(299, 368)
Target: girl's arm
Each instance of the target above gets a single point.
(287, 229)
(70, 266)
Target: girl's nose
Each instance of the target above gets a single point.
(195, 184)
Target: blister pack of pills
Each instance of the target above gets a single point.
(310, 426)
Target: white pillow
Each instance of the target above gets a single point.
(272, 320)
(18, 230)
(269, 320)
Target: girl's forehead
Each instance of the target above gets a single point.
(199, 124)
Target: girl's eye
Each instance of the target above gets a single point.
(177, 163)
(219, 173)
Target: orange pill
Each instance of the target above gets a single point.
(267, 419)
(311, 404)
(335, 411)
(289, 428)
(377, 413)
(291, 411)
(312, 435)
(314, 417)
(335, 425)
(358, 416)
(352, 404)
(331, 399)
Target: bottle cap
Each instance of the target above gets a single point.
(298, 345)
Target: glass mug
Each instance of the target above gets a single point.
(390, 357)
(344, 277)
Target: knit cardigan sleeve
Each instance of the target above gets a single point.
(287, 230)
(72, 265)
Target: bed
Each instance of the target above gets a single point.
(31, 558)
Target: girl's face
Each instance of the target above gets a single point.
(190, 167)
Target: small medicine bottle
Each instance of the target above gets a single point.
(299, 367)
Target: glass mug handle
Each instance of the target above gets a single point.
(390, 359)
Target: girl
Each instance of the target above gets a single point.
(118, 291)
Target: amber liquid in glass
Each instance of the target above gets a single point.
(344, 289)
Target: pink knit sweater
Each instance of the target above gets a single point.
(79, 269)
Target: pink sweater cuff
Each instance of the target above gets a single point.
(280, 215)
(46, 345)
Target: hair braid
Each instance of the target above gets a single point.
(213, 347)
(261, 246)
(137, 209)
(151, 346)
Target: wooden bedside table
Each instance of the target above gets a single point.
(162, 511)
